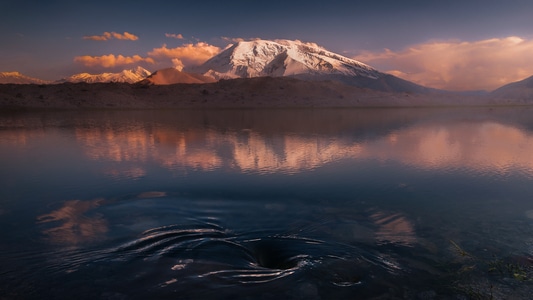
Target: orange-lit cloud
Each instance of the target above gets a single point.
(232, 40)
(111, 60)
(188, 54)
(177, 63)
(112, 35)
(178, 36)
(455, 65)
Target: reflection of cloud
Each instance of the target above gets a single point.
(73, 226)
(112, 35)
(111, 60)
(131, 173)
(153, 194)
(456, 65)
(483, 147)
(393, 228)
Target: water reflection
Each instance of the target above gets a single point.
(70, 224)
(393, 228)
(480, 146)
(366, 219)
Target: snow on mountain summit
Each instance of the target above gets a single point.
(281, 58)
(18, 78)
(130, 76)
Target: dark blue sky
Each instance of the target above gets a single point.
(42, 38)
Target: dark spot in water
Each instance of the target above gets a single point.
(274, 254)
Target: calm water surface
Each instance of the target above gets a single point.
(269, 204)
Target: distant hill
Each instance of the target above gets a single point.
(174, 76)
(18, 78)
(258, 92)
(520, 90)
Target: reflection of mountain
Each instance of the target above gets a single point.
(477, 145)
(247, 151)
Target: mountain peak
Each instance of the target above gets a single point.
(275, 58)
(307, 61)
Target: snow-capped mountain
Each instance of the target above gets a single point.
(280, 58)
(130, 76)
(307, 61)
(18, 78)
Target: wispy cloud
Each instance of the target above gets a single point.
(457, 65)
(111, 60)
(112, 35)
(185, 55)
(238, 39)
(178, 36)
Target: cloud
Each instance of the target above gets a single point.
(112, 35)
(177, 63)
(456, 65)
(179, 57)
(178, 36)
(185, 55)
(236, 40)
(232, 40)
(111, 60)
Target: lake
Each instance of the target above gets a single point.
(267, 204)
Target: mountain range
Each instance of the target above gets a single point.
(18, 78)
(276, 58)
(129, 76)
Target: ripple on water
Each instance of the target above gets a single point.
(197, 261)
(200, 258)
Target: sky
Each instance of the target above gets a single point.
(454, 44)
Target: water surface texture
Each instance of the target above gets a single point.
(267, 204)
